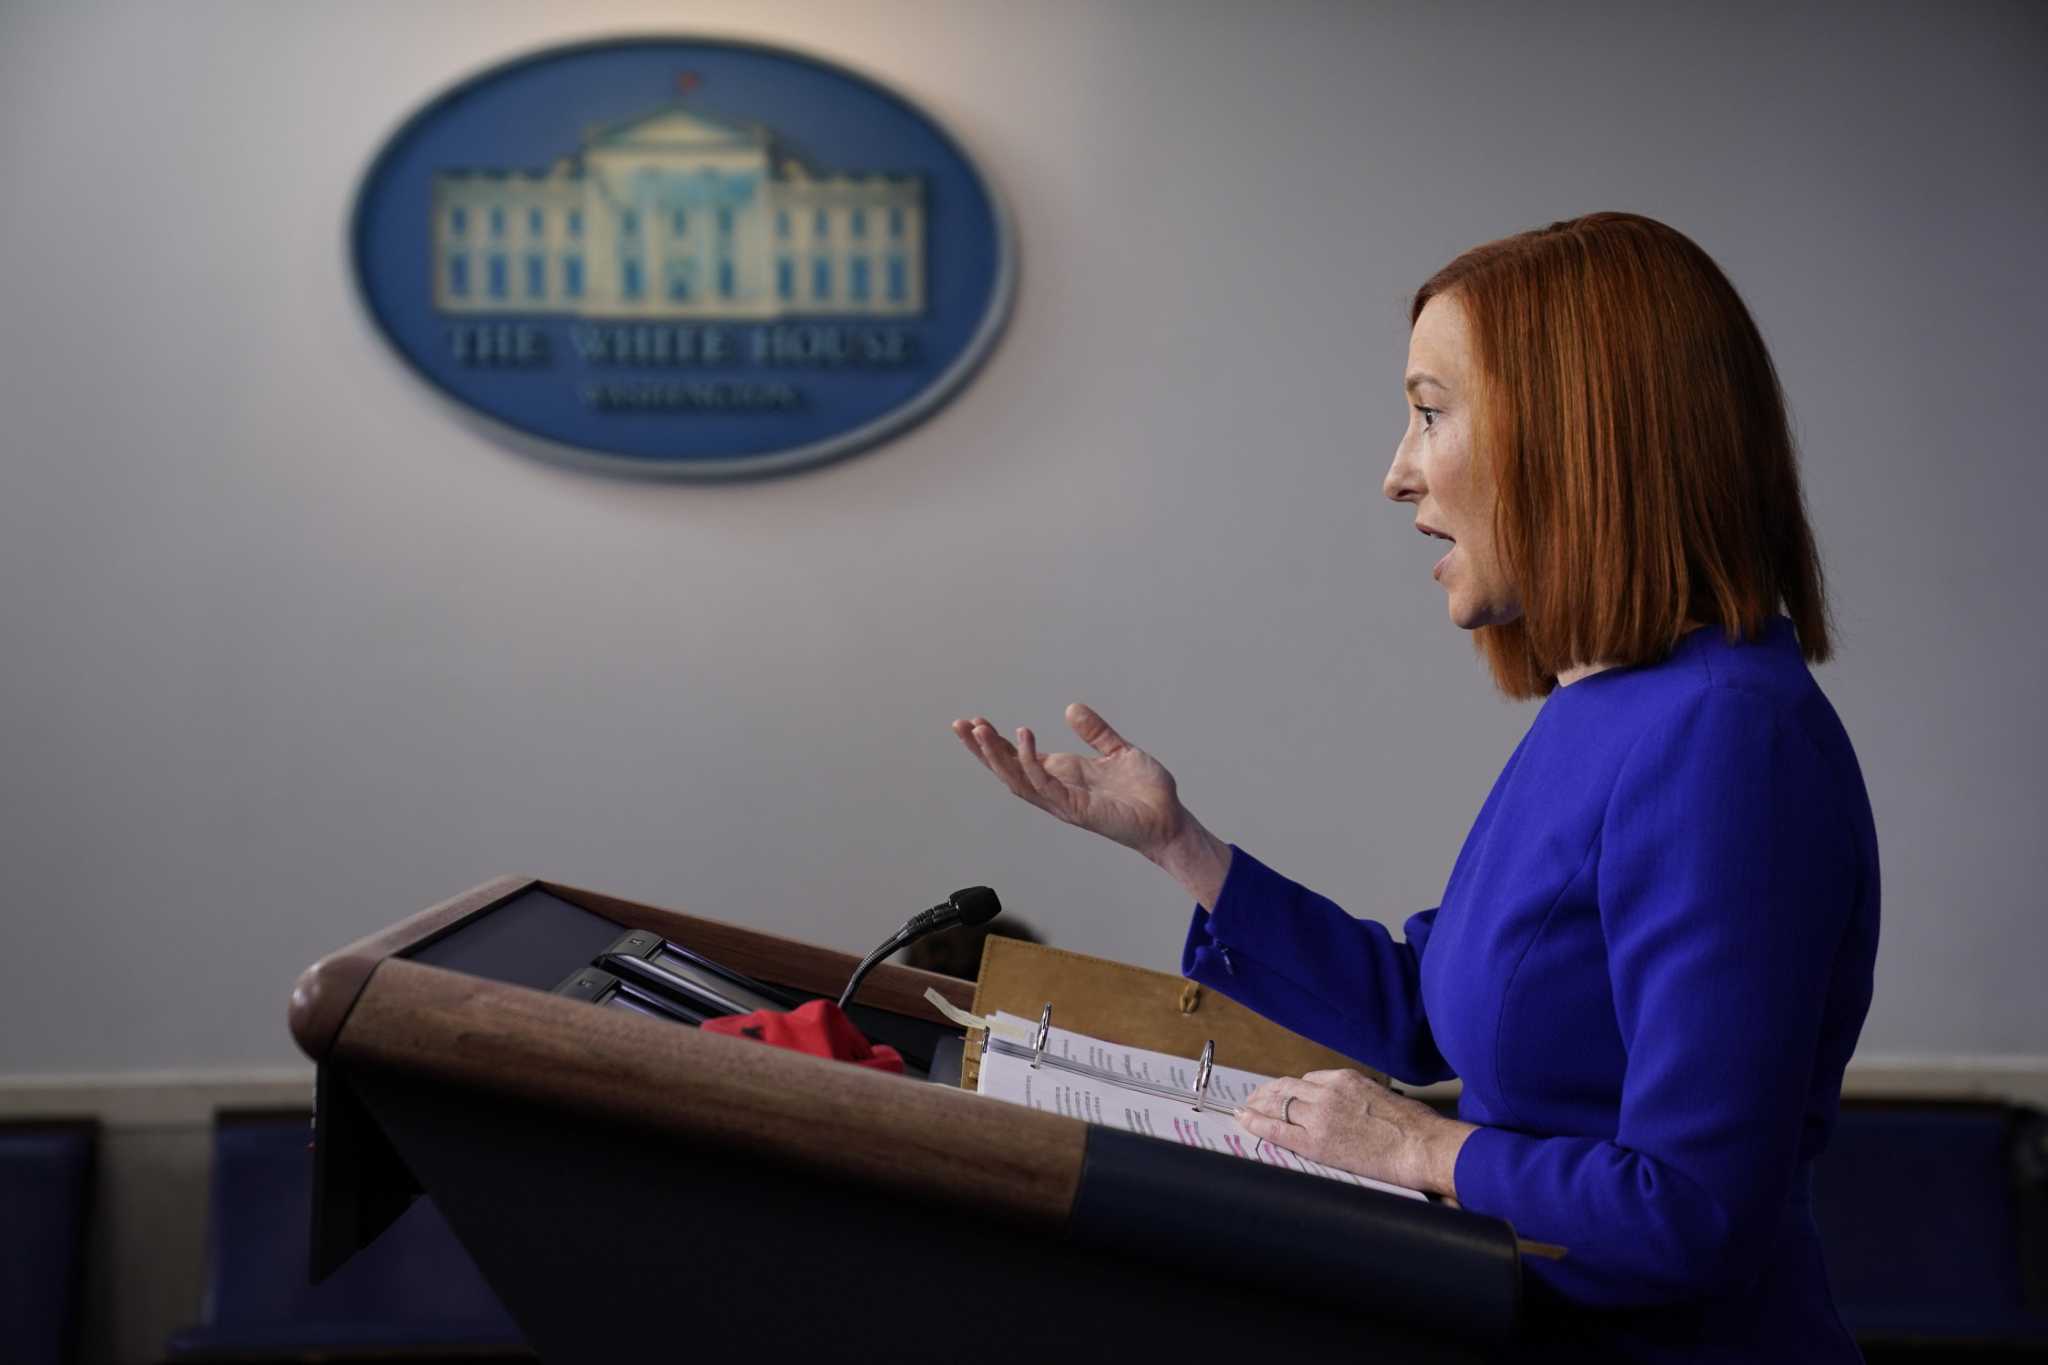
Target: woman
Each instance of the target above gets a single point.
(1654, 953)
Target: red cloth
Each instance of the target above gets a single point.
(820, 1028)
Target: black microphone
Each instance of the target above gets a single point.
(970, 905)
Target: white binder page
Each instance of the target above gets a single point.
(1103, 1101)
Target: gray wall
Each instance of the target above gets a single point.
(290, 651)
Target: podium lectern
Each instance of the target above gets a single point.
(636, 1189)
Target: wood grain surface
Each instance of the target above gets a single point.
(326, 991)
(727, 1094)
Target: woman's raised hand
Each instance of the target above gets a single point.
(1121, 792)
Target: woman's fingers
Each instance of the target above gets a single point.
(1095, 731)
(1021, 767)
(1282, 1100)
(976, 733)
(966, 730)
(1282, 1123)
(1042, 782)
(1002, 760)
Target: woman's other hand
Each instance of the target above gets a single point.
(1120, 792)
(1125, 794)
(1346, 1120)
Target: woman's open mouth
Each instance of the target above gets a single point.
(1438, 571)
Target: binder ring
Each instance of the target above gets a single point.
(1038, 1039)
(1202, 1070)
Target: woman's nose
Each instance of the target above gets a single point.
(1404, 481)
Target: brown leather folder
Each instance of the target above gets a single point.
(1119, 1003)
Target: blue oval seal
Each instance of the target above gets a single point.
(686, 257)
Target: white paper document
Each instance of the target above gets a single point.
(1005, 1077)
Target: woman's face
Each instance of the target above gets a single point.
(1437, 468)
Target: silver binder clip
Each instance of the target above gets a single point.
(1202, 1070)
(1038, 1039)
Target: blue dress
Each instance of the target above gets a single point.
(1650, 966)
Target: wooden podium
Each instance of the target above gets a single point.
(630, 1186)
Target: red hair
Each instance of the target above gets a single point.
(1638, 440)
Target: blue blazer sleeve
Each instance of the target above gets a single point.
(1728, 874)
(1277, 947)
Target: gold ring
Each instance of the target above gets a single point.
(1287, 1111)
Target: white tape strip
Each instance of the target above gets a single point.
(1014, 1029)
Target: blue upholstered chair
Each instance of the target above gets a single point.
(1932, 1218)
(412, 1293)
(46, 1179)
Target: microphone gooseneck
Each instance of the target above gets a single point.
(969, 906)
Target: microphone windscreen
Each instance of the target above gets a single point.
(975, 904)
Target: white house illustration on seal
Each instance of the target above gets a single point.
(674, 216)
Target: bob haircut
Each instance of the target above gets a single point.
(1639, 446)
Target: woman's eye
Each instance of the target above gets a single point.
(1429, 416)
